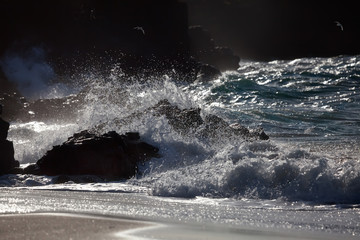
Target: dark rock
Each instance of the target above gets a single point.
(213, 123)
(182, 121)
(109, 155)
(200, 39)
(145, 37)
(223, 58)
(14, 106)
(97, 33)
(32, 169)
(7, 161)
(207, 72)
(260, 134)
(218, 128)
(77, 179)
(187, 121)
(204, 49)
(265, 30)
(132, 136)
(17, 108)
(60, 109)
(61, 179)
(4, 128)
(239, 129)
(16, 170)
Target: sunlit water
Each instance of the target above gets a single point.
(309, 107)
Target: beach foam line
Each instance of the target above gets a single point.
(173, 231)
(139, 233)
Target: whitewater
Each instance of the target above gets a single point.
(304, 179)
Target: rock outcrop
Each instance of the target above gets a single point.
(115, 156)
(7, 162)
(18, 108)
(145, 37)
(95, 33)
(204, 49)
(265, 30)
(109, 155)
(187, 121)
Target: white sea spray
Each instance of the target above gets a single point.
(309, 112)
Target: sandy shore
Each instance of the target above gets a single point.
(65, 226)
(41, 226)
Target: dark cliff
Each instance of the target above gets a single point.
(91, 30)
(280, 29)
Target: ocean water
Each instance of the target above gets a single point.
(306, 177)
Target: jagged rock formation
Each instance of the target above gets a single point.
(272, 30)
(146, 37)
(140, 34)
(187, 121)
(109, 155)
(190, 122)
(112, 155)
(7, 161)
(204, 49)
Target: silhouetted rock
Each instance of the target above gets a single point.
(7, 161)
(108, 155)
(204, 49)
(4, 128)
(207, 72)
(17, 108)
(96, 33)
(187, 121)
(61, 109)
(267, 30)
(182, 121)
(9, 98)
(14, 106)
(145, 37)
(77, 179)
(259, 133)
(216, 127)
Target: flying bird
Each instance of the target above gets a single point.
(140, 29)
(339, 25)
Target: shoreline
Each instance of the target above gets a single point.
(185, 217)
(55, 225)
(59, 225)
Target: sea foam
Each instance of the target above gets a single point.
(308, 157)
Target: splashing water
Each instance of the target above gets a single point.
(309, 107)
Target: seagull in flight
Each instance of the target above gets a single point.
(339, 25)
(140, 29)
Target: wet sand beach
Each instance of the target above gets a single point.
(65, 226)
(41, 226)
